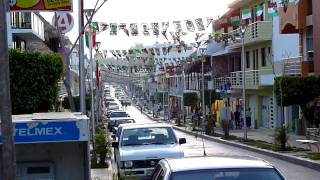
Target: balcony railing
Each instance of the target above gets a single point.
(252, 78)
(256, 32)
(221, 81)
(290, 66)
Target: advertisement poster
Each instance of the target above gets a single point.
(40, 5)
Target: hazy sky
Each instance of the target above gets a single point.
(146, 11)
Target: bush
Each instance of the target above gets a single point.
(209, 129)
(34, 81)
(190, 99)
(281, 138)
(102, 146)
(225, 127)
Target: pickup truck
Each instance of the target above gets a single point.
(141, 146)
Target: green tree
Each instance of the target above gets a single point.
(190, 99)
(76, 99)
(297, 91)
(34, 81)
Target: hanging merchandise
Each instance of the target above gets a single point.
(272, 9)
(177, 26)
(103, 26)
(134, 29)
(113, 53)
(259, 10)
(199, 35)
(123, 26)
(157, 51)
(152, 51)
(190, 25)
(95, 26)
(93, 37)
(165, 26)
(285, 4)
(164, 51)
(113, 29)
(199, 24)
(155, 29)
(119, 53)
(130, 51)
(124, 52)
(145, 29)
(209, 21)
(246, 14)
(145, 51)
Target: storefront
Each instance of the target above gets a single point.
(51, 146)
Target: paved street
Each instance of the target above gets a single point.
(194, 147)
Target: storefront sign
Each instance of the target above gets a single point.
(40, 5)
(50, 131)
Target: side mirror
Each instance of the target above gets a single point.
(182, 140)
(115, 144)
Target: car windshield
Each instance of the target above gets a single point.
(146, 136)
(229, 174)
(118, 114)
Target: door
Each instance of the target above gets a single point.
(265, 111)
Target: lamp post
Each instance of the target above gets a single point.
(243, 29)
(88, 14)
(98, 85)
(203, 60)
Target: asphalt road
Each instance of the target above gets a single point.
(194, 147)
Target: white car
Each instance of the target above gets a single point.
(142, 146)
(216, 168)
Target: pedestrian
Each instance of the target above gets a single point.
(237, 119)
(248, 117)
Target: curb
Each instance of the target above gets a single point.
(289, 158)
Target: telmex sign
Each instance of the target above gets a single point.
(40, 5)
(50, 131)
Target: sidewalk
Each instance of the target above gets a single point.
(257, 134)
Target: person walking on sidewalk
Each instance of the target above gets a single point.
(248, 117)
(237, 119)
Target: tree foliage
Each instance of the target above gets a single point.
(34, 81)
(214, 96)
(296, 90)
(76, 100)
(190, 99)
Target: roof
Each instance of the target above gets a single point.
(146, 125)
(211, 48)
(213, 162)
(53, 116)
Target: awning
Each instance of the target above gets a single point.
(225, 52)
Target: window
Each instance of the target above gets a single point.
(38, 170)
(263, 57)
(248, 59)
(309, 7)
(309, 42)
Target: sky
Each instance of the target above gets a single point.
(146, 11)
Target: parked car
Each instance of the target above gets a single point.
(141, 146)
(216, 168)
(121, 120)
(112, 117)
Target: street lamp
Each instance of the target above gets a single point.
(203, 60)
(243, 29)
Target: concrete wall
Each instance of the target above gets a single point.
(68, 158)
(283, 45)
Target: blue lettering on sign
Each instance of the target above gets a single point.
(46, 132)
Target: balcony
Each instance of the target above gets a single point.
(252, 79)
(27, 26)
(220, 82)
(257, 32)
(291, 66)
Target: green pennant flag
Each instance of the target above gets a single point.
(259, 10)
(246, 14)
(272, 9)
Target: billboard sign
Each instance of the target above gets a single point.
(40, 5)
(50, 131)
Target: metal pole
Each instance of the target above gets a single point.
(182, 101)
(91, 82)
(8, 148)
(245, 136)
(82, 91)
(203, 105)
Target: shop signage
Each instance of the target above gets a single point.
(52, 131)
(40, 5)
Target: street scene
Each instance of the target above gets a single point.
(161, 90)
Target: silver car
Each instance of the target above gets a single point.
(216, 168)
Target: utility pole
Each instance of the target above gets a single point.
(8, 149)
(82, 91)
